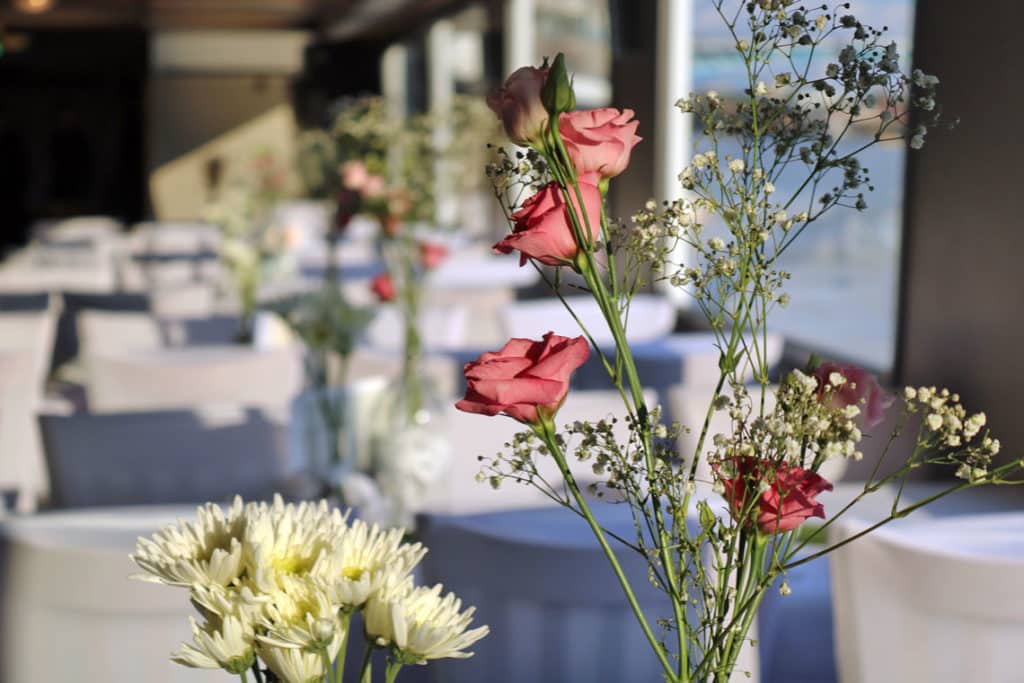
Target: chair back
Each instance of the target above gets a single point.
(184, 377)
(651, 317)
(541, 583)
(144, 458)
(70, 612)
(937, 599)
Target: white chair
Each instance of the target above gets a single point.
(142, 458)
(186, 299)
(554, 607)
(26, 344)
(930, 600)
(479, 435)
(110, 332)
(185, 377)
(66, 590)
(440, 328)
(651, 317)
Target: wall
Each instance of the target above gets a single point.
(961, 322)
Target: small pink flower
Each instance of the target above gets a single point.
(383, 287)
(860, 389)
(527, 380)
(786, 502)
(543, 228)
(354, 175)
(374, 186)
(518, 105)
(599, 140)
(432, 254)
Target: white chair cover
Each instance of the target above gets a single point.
(651, 317)
(479, 435)
(26, 344)
(185, 377)
(142, 458)
(470, 270)
(109, 332)
(70, 611)
(187, 299)
(440, 327)
(930, 600)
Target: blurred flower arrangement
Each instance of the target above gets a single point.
(276, 586)
(254, 247)
(714, 560)
(370, 163)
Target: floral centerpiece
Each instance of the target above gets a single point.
(276, 587)
(254, 247)
(715, 542)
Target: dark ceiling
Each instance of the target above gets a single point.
(340, 18)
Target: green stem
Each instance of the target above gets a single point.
(391, 673)
(339, 661)
(244, 678)
(546, 431)
(365, 670)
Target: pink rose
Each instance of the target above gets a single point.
(374, 186)
(860, 389)
(599, 140)
(518, 105)
(354, 175)
(383, 287)
(785, 504)
(432, 254)
(527, 380)
(543, 229)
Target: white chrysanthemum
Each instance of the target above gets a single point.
(206, 551)
(420, 623)
(302, 617)
(282, 540)
(362, 559)
(222, 642)
(292, 665)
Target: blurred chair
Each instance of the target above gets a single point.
(73, 303)
(70, 612)
(26, 343)
(651, 317)
(440, 327)
(101, 332)
(554, 607)
(209, 453)
(483, 307)
(187, 299)
(185, 377)
(930, 600)
(474, 436)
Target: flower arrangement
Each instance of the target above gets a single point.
(254, 247)
(276, 587)
(715, 538)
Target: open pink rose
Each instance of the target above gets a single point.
(785, 504)
(599, 140)
(860, 389)
(432, 254)
(543, 229)
(526, 380)
(518, 105)
(383, 287)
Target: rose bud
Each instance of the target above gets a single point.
(354, 175)
(383, 287)
(518, 105)
(432, 254)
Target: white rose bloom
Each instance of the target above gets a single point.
(207, 551)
